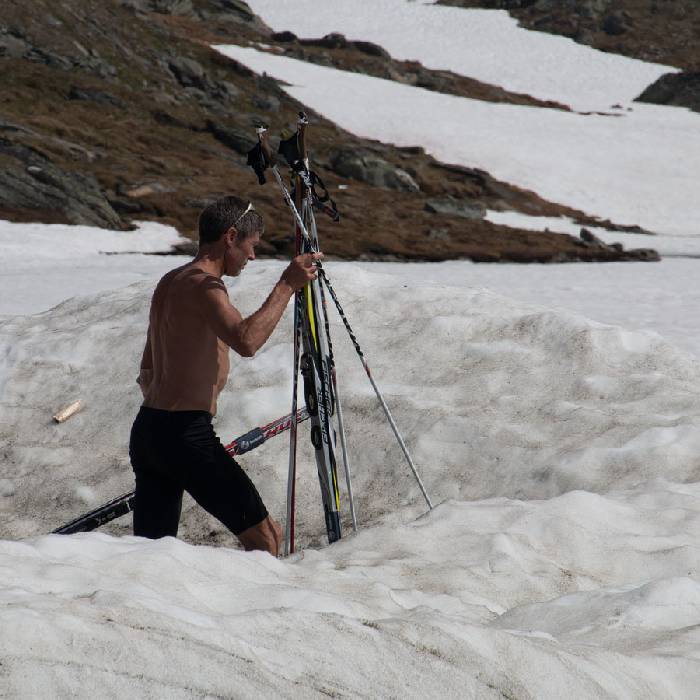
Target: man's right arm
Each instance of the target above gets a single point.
(247, 335)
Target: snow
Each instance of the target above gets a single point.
(667, 246)
(42, 264)
(438, 607)
(563, 454)
(473, 43)
(640, 167)
(552, 411)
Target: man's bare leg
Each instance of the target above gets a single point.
(265, 536)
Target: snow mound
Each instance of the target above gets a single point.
(494, 397)
(465, 601)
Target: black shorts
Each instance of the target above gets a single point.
(176, 451)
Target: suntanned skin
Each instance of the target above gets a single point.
(193, 324)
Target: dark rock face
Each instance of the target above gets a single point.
(677, 89)
(90, 95)
(368, 167)
(454, 207)
(29, 181)
(188, 72)
(233, 138)
(614, 24)
(165, 7)
(591, 241)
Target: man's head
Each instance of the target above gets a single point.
(231, 227)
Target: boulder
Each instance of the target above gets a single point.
(371, 49)
(456, 207)
(334, 40)
(188, 72)
(30, 181)
(284, 37)
(591, 240)
(614, 24)
(365, 166)
(163, 7)
(233, 138)
(676, 89)
(91, 95)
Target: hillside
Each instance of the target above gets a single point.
(118, 110)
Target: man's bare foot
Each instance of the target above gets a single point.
(265, 536)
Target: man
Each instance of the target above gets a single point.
(185, 365)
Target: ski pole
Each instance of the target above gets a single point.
(338, 403)
(291, 478)
(387, 412)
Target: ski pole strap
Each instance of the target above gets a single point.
(323, 202)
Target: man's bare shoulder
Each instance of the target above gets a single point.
(190, 280)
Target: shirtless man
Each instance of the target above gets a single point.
(185, 365)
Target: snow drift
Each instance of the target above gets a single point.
(495, 397)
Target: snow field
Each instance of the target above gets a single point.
(499, 401)
(639, 167)
(44, 264)
(483, 44)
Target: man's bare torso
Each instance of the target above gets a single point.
(190, 364)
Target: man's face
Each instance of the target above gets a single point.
(239, 251)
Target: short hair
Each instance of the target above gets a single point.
(219, 216)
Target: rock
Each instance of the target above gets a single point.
(227, 89)
(12, 46)
(371, 49)
(268, 103)
(163, 7)
(591, 239)
(188, 72)
(439, 234)
(235, 139)
(53, 60)
(167, 119)
(29, 181)
(90, 95)
(284, 37)
(334, 40)
(614, 24)
(677, 89)
(456, 207)
(365, 166)
(237, 7)
(643, 254)
(148, 189)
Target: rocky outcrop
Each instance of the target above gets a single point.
(365, 166)
(677, 89)
(591, 241)
(455, 207)
(30, 182)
